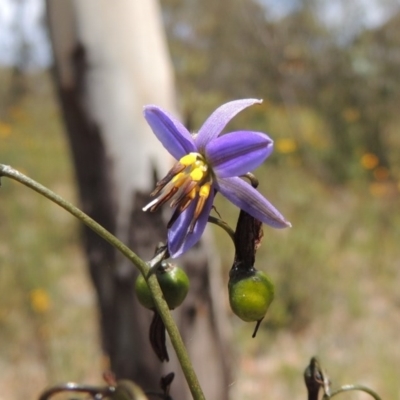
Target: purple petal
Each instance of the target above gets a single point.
(237, 153)
(217, 121)
(244, 196)
(178, 231)
(179, 241)
(169, 131)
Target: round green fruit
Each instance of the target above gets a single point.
(174, 284)
(250, 294)
(127, 390)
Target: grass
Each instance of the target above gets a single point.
(336, 271)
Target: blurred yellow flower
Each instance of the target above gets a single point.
(369, 160)
(285, 145)
(5, 130)
(40, 301)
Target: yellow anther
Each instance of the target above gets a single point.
(189, 159)
(205, 190)
(192, 193)
(177, 179)
(189, 180)
(197, 174)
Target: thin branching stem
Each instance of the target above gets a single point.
(361, 388)
(161, 305)
(224, 226)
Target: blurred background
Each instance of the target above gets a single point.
(328, 72)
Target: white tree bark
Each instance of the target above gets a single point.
(127, 67)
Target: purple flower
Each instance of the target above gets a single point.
(208, 163)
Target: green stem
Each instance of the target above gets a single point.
(224, 226)
(144, 268)
(361, 388)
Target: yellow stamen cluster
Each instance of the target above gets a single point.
(189, 179)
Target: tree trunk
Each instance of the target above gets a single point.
(111, 59)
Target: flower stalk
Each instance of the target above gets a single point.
(161, 305)
(224, 226)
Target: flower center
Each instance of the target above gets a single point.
(190, 179)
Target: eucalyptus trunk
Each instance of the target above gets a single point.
(111, 58)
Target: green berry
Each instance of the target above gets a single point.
(250, 294)
(174, 284)
(127, 390)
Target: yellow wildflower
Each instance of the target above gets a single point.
(285, 145)
(369, 160)
(40, 301)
